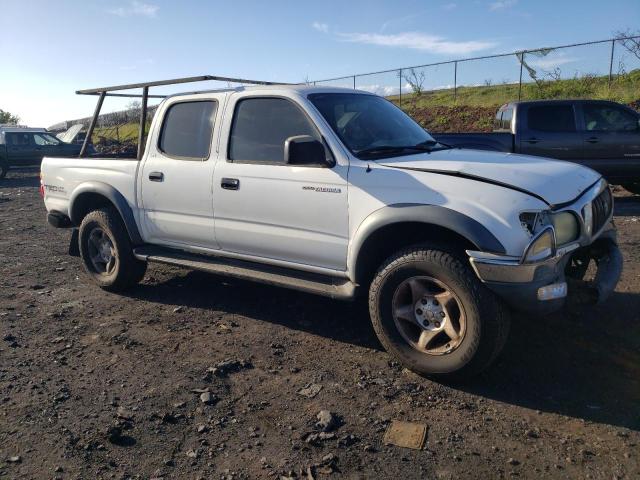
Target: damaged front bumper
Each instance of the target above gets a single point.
(545, 286)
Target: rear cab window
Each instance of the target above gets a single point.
(551, 118)
(187, 130)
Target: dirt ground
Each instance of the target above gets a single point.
(98, 385)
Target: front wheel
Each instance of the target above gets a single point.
(432, 313)
(106, 251)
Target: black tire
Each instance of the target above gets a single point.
(632, 187)
(4, 168)
(487, 318)
(126, 270)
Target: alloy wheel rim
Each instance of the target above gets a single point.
(429, 315)
(102, 253)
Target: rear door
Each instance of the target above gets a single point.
(20, 148)
(271, 210)
(549, 130)
(175, 179)
(611, 138)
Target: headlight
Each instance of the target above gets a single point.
(541, 247)
(566, 226)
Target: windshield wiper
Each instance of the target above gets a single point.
(425, 146)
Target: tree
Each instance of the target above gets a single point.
(415, 81)
(6, 117)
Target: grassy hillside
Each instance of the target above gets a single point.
(471, 111)
(474, 107)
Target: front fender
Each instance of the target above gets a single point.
(444, 217)
(114, 196)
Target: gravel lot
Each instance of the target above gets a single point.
(97, 385)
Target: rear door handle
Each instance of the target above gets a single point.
(532, 140)
(156, 176)
(230, 183)
(593, 139)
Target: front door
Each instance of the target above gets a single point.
(266, 208)
(175, 179)
(611, 140)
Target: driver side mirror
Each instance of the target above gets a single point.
(304, 150)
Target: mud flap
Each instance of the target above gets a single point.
(608, 258)
(74, 246)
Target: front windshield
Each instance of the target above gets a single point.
(371, 126)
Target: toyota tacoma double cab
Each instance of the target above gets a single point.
(340, 193)
(599, 134)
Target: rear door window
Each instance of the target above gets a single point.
(187, 130)
(551, 118)
(608, 118)
(18, 139)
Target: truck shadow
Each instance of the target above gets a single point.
(584, 365)
(21, 177)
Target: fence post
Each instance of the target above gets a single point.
(400, 77)
(520, 81)
(455, 81)
(613, 45)
(354, 82)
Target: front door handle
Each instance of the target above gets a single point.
(230, 183)
(532, 140)
(593, 139)
(156, 176)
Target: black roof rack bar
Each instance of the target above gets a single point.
(103, 92)
(201, 78)
(126, 95)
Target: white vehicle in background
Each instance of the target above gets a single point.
(338, 192)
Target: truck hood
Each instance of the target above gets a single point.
(553, 181)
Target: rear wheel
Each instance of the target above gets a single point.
(430, 311)
(632, 187)
(106, 251)
(4, 168)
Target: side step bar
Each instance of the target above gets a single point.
(282, 277)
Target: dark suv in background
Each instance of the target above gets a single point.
(21, 146)
(602, 135)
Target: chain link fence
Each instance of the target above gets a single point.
(601, 69)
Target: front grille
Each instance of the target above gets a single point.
(602, 206)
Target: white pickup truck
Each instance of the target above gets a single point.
(338, 192)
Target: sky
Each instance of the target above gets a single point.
(48, 50)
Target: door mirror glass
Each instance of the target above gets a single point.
(304, 150)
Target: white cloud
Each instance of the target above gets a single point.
(135, 8)
(502, 4)
(449, 6)
(418, 41)
(550, 62)
(321, 27)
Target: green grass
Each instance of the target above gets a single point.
(624, 89)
